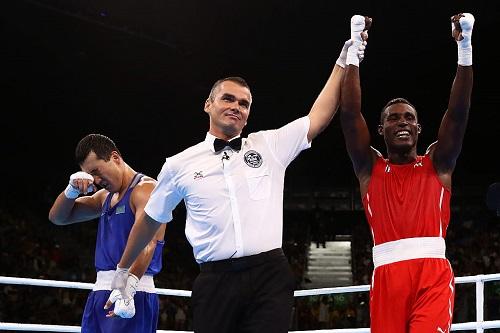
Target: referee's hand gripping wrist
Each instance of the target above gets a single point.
(341, 60)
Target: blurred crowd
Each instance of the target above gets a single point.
(32, 247)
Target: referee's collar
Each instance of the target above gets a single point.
(209, 139)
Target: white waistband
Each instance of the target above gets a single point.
(409, 248)
(103, 282)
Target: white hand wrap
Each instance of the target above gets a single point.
(131, 287)
(465, 45)
(120, 279)
(357, 27)
(125, 282)
(123, 308)
(72, 191)
(343, 54)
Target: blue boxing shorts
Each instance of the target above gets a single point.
(94, 318)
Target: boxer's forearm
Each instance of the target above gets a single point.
(141, 234)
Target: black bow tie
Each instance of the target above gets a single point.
(219, 144)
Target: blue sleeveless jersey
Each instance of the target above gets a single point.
(115, 224)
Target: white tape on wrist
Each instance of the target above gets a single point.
(357, 27)
(71, 192)
(120, 279)
(353, 53)
(465, 45)
(465, 56)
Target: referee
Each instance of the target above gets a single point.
(233, 191)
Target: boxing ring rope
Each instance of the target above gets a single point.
(479, 325)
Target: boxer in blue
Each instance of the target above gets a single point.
(118, 204)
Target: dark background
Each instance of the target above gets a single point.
(139, 72)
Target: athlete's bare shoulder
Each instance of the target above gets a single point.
(147, 180)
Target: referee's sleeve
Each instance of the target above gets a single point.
(288, 141)
(164, 197)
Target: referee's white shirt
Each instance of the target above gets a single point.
(234, 200)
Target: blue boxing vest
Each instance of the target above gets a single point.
(114, 227)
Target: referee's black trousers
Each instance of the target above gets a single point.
(252, 294)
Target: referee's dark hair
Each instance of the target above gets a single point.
(236, 79)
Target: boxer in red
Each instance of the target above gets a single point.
(407, 199)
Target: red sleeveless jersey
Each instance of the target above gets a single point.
(405, 201)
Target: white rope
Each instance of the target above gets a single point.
(476, 278)
(342, 330)
(62, 328)
(45, 283)
(54, 328)
(366, 287)
(479, 326)
(38, 327)
(474, 326)
(454, 327)
(79, 285)
(187, 293)
(335, 290)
